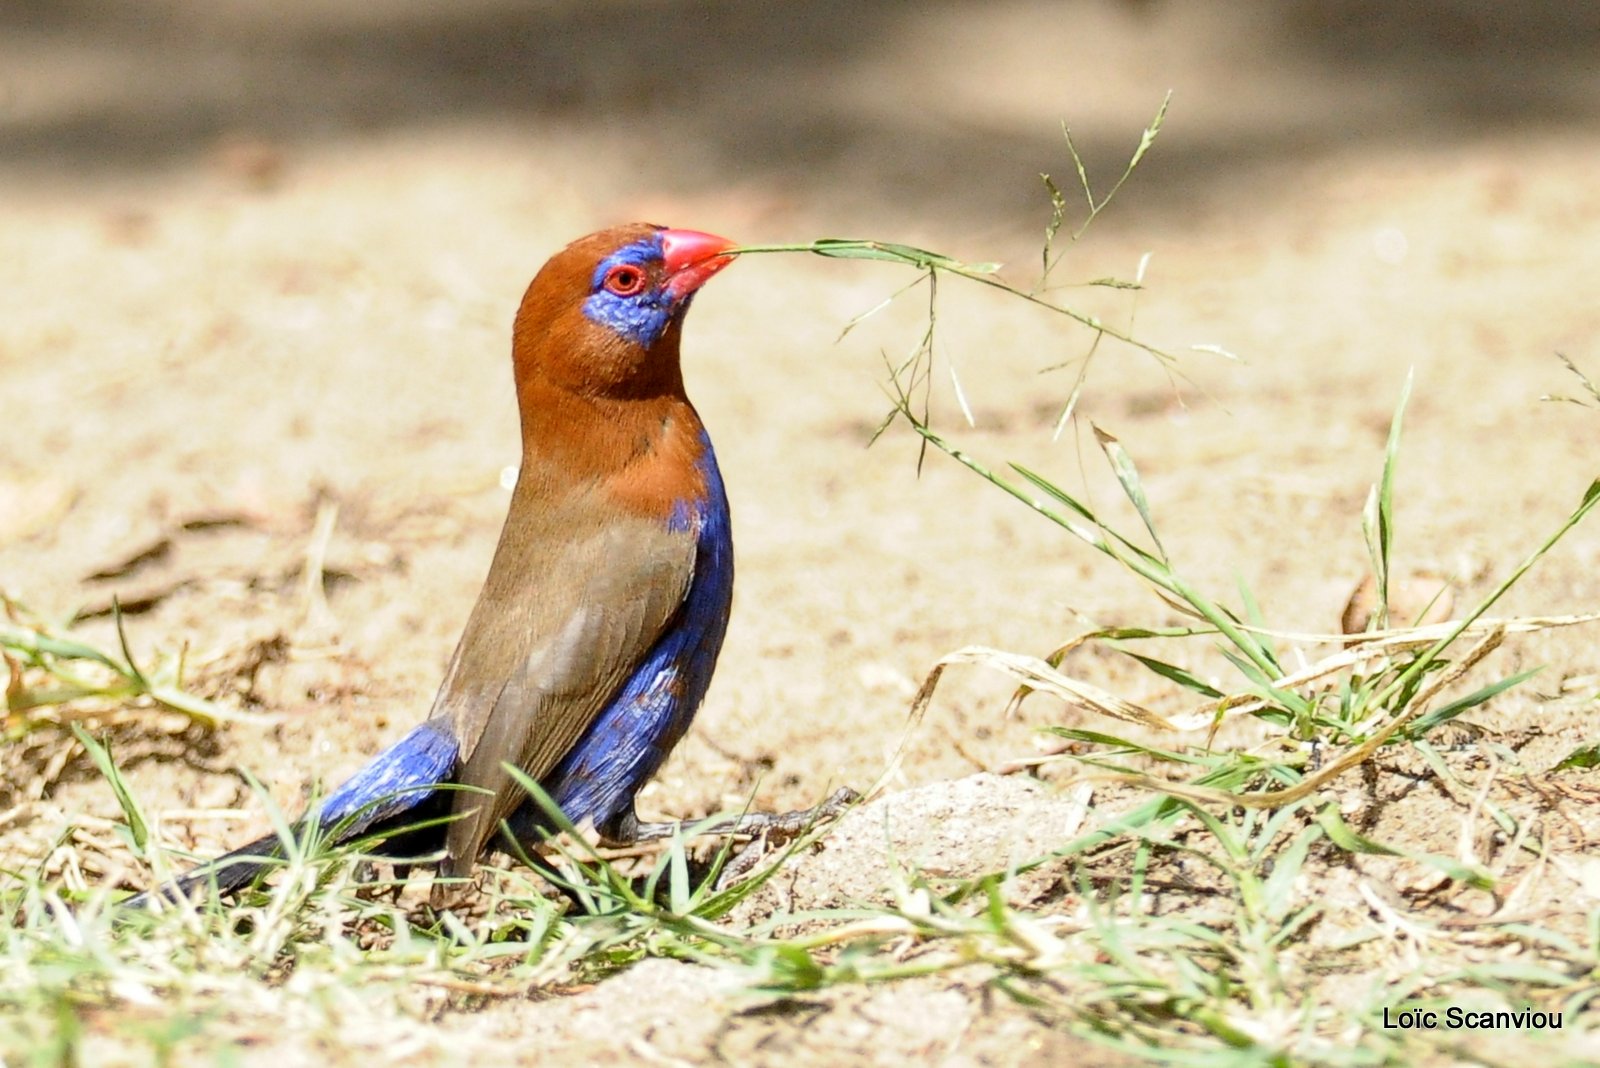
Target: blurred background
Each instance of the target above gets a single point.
(841, 110)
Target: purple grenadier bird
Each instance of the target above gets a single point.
(593, 641)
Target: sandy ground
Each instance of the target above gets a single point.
(258, 263)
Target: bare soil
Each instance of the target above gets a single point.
(258, 264)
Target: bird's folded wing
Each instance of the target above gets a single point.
(574, 601)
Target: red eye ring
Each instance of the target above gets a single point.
(625, 280)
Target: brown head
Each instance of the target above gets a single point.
(595, 348)
(602, 318)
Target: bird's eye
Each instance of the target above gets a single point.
(625, 280)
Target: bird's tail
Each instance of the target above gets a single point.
(396, 783)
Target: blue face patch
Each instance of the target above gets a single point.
(642, 317)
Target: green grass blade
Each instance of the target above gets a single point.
(1115, 742)
(1343, 836)
(1127, 473)
(127, 654)
(1445, 713)
(1277, 893)
(100, 755)
(1430, 656)
(1585, 756)
(1378, 518)
(1182, 676)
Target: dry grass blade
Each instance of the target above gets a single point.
(1593, 398)
(1396, 640)
(1036, 674)
(1355, 756)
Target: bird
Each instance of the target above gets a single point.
(599, 624)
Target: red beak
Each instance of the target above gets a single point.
(691, 258)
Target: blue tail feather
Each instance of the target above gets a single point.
(398, 781)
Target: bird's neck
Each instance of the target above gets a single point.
(642, 452)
